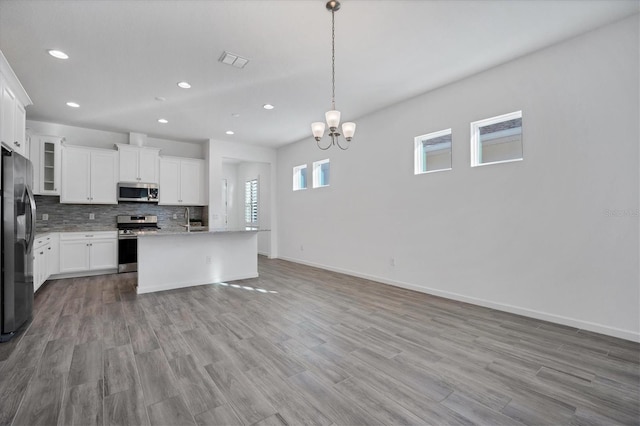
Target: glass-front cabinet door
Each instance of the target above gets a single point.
(49, 166)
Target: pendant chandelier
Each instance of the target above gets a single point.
(333, 117)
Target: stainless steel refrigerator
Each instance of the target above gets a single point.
(18, 232)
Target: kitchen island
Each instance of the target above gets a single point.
(177, 259)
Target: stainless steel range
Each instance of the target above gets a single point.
(129, 227)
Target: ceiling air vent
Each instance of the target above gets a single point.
(233, 60)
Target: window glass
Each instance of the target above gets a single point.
(300, 177)
(497, 139)
(433, 152)
(321, 173)
(251, 201)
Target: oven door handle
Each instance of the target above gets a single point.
(127, 237)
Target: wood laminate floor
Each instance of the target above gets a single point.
(302, 346)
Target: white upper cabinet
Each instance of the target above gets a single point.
(148, 160)
(13, 100)
(89, 176)
(192, 182)
(103, 177)
(46, 159)
(76, 183)
(169, 181)
(19, 128)
(8, 109)
(182, 181)
(138, 164)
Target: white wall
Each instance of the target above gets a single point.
(107, 140)
(554, 236)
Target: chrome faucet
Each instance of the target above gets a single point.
(186, 218)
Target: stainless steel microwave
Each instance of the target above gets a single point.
(138, 192)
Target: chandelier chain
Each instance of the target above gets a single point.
(333, 60)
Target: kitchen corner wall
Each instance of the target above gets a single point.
(71, 217)
(553, 237)
(217, 152)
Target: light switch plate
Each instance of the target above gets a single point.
(92, 216)
(45, 216)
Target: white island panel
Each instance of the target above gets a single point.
(177, 260)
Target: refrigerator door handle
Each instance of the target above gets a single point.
(32, 224)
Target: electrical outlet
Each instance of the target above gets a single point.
(175, 216)
(301, 247)
(208, 260)
(92, 216)
(392, 261)
(45, 216)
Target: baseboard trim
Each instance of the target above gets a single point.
(531, 313)
(83, 274)
(153, 289)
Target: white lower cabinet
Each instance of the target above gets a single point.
(39, 263)
(53, 260)
(88, 251)
(45, 258)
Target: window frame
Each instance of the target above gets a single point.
(475, 137)
(317, 170)
(418, 160)
(296, 177)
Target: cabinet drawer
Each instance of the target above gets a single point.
(41, 240)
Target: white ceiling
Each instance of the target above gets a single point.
(123, 54)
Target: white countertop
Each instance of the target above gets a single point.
(201, 230)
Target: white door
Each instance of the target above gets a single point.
(169, 181)
(74, 256)
(129, 165)
(103, 177)
(191, 182)
(76, 171)
(148, 166)
(104, 254)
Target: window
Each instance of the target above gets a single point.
(251, 201)
(321, 173)
(300, 177)
(497, 139)
(433, 152)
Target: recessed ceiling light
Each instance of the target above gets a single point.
(268, 106)
(235, 115)
(73, 105)
(229, 132)
(58, 54)
(163, 120)
(160, 98)
(184, 85)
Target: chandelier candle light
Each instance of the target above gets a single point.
(333, 116)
